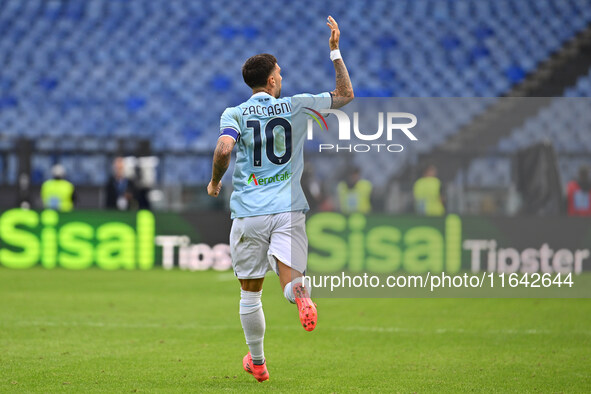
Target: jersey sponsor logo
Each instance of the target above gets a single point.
(253, 178)
(284, 176)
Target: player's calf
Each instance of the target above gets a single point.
(252, 319)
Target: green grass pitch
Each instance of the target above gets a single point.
(158, 331)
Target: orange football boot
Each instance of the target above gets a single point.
(306, 308)
(259, 372)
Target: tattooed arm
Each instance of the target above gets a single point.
(221, 161)
(343, 94)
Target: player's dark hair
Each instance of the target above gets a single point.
(256, 70)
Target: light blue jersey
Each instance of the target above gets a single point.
(270, 136)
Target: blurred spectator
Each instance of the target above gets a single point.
(427, 193)
(120, 189)
(145, 180)
(312, 188)
(143, 202)
(58, 193)
(578, 194)
(354, 193)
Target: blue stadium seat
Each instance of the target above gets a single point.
(104, 68)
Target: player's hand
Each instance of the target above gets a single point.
(214, 189)
(335, 33)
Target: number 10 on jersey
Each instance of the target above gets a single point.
(255, 125)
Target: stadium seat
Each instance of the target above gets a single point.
(166, 70)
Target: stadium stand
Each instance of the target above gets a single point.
(565, 123)
(582, 87)
(83, 73)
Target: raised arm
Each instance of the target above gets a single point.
(343, 94)
(221, 161)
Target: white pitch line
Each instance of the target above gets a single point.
(373, 329)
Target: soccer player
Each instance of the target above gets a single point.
(267, 203)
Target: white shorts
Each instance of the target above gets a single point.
(256, 241)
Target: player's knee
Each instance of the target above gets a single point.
(250, 301)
